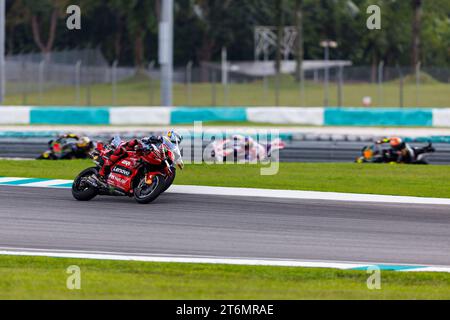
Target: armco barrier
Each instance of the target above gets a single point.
(87, 116)
(14, 115)
(378, 117)
(301, 116)
(190, 115)
(415, 117)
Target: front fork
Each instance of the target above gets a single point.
(167, 171)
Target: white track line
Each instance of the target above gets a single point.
(176, 259)
(265, 193)
(48, 184)
(71, 254)
(306, 195)
(5, 180)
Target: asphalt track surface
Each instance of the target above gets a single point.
(222, 226)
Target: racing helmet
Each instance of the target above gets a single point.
(395, 142)
(249, 142)
(240, 139)
(174, 137)
(84, 142)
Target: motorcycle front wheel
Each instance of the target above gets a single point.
(81, 190)
(169, 180)
(145, 193)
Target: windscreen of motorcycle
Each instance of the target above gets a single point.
(175, 149)
(116, 141)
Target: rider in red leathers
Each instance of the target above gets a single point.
(121, 152)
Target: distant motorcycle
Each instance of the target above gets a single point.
(67, 147)
(240, 148)
(376, 154)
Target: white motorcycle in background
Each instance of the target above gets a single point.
(240, 148)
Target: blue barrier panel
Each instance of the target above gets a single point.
(189, 115)
(433, 139)
(386, 267)
(83, 116)
(378, 117)
(28, 134)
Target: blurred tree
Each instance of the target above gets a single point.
(44, 16)
(127, 30)
(436, 33)
(16, 18)
(280, 32)
(416, 31)
(139, 17)
(391, 42)
(214, 17)
(299, 40)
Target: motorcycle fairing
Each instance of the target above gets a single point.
(123, 173)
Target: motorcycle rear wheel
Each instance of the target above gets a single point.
(144, 193)
(81, 190)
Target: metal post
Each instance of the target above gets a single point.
(327, 44)
(24, 81)
(380, 84)
(225, 75)
(401, 86)
(418, 83)
(277, 88)
(341, 87)
(2, 50)
(279, 40)
(77, 83)
(151, 66)
(166, 52)
(213, 88)
(327, 77)
(88, 88)
(41, 81)
(189, 83)
(302, 87)
(114, 82)
(266, 80)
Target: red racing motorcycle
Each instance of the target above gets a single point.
(142, 174)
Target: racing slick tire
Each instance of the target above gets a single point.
(170, 179)
(83, 191)
(144, 193)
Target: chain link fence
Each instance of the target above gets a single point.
(37, 74)
(347, 86)
(84, 77)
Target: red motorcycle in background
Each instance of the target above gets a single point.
(142, 174)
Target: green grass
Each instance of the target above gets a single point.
(424, 181)
(45, 278)
(136, 92)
